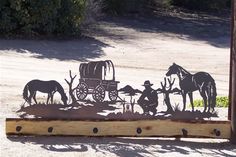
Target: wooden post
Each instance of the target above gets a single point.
(233, 74)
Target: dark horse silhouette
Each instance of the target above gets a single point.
(49, 87)
(189, 83)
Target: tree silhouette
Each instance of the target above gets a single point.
(71, 90)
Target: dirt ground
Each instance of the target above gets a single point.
(142, 48)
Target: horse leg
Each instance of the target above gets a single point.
(209, 103)
(191, 100)
(203, 94)
(49, 95)
(30, 96)
(52, 98)
(34, 97)
(184, 101)
(209, 98)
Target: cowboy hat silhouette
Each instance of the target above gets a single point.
(147, 83)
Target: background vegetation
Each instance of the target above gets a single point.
(64, 17)
(202, 4)
(44, 17)
(118, 7)
(220, 102)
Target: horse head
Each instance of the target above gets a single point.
(173, 69)
(64, 99)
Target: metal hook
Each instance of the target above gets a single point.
(50, 129)
(185, 132)
(216, 132)
(95, 130)
(18, 128)
(139, 130)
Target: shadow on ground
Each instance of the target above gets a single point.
(128, 146)
(91, 110)
(78, 49)
(213, 29)
(82, 110)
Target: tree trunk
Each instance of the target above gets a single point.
(167, 102)
(71, 90)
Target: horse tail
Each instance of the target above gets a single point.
(213, 95)
(25, 92)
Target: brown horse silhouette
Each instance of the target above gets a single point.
(49, 87)
(201, 81)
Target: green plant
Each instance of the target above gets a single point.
(70, 16)
(119, 7)
(222, 101)
(41, 17)
(202, 4)
(114, 7)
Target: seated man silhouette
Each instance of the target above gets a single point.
(149, 99)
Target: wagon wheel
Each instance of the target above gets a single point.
(113, 94)
(81, 91)
(99, 93)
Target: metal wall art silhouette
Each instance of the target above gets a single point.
(139, 104)
(167, 90)
(149, 99)
(129, 91)
(49, 87)
(102, 117)
(92, 81)
(201, 81)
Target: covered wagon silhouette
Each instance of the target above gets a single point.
(93, 80)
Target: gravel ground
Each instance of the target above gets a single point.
(141, 49)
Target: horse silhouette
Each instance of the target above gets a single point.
(201, 81)
(49, 87)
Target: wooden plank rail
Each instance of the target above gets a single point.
(164, 128)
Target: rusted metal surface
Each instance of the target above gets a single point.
(141, 105)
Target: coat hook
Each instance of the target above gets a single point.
(139, 130)
(95, 130)
(18, 128)
(185, 132)
(217, 132)
(50, 129)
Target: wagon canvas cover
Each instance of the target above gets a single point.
(96, 69)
